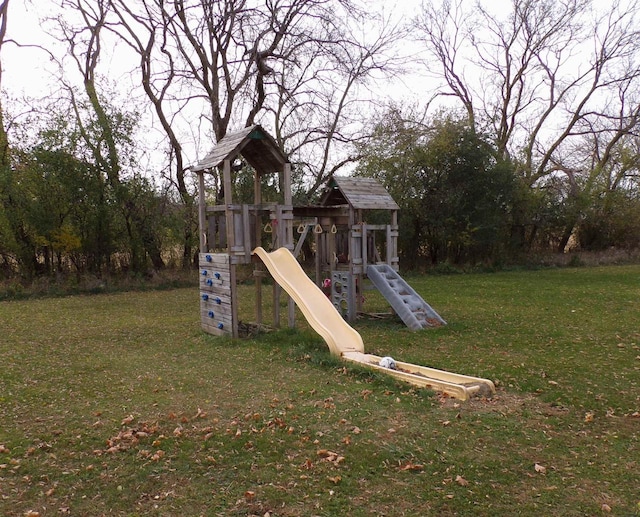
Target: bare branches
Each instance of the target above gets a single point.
(444, 33)
(542, 73)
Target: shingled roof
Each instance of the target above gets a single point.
(254, 144)
(360, 193)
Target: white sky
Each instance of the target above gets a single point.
(29, 71)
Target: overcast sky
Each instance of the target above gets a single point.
(30, 73)
(29, 70)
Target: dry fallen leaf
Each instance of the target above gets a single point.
(588, 417)
(605, 508)
(461, 481)
(412, 466)
(335, 479)
(324, 453)
(540, 469)
(127, 420)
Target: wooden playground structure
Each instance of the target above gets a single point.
(346, 249)
(344, 244)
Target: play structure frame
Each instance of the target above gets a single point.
(344, 244)
(345, 249)
(229, 231)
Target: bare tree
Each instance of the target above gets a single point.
(105, 129)
(324, 92)
(541, 79)
(295, 66)
(4, 142)
(144, 26)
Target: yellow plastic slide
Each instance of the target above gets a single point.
(344, 341)
(316, 307)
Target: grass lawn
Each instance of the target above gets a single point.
(118, 404)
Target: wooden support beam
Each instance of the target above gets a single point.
(228, 199)
(202, 217)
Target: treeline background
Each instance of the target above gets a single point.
(518, 138)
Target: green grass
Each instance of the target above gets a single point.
(118, 404)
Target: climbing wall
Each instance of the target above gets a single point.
(409, 305)
(216, 298)
(343, 294)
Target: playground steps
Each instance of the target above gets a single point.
(409, 305)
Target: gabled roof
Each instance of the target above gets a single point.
(360, 193)
(253, 143)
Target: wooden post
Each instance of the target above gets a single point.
(365, 248)
(394, 261)
(202, 217)
(234, 299)
(226, 178)
(231, 241)
(288, 201)
(287, 230)
(258, 270)
(277, 290)
(318, 256)
(246, 230)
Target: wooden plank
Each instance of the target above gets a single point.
(207, 326)
(210, 329)
(226, 174)
(258, 273)
(215, 285)
(246, 225)
(218, 312)
(234, 301)
(277, 291)
(215, 302)
(202, 219)
(214, 260)
(292, 313)
(364, 246)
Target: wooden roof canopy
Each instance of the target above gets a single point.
(359, 193)
(255, 145)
